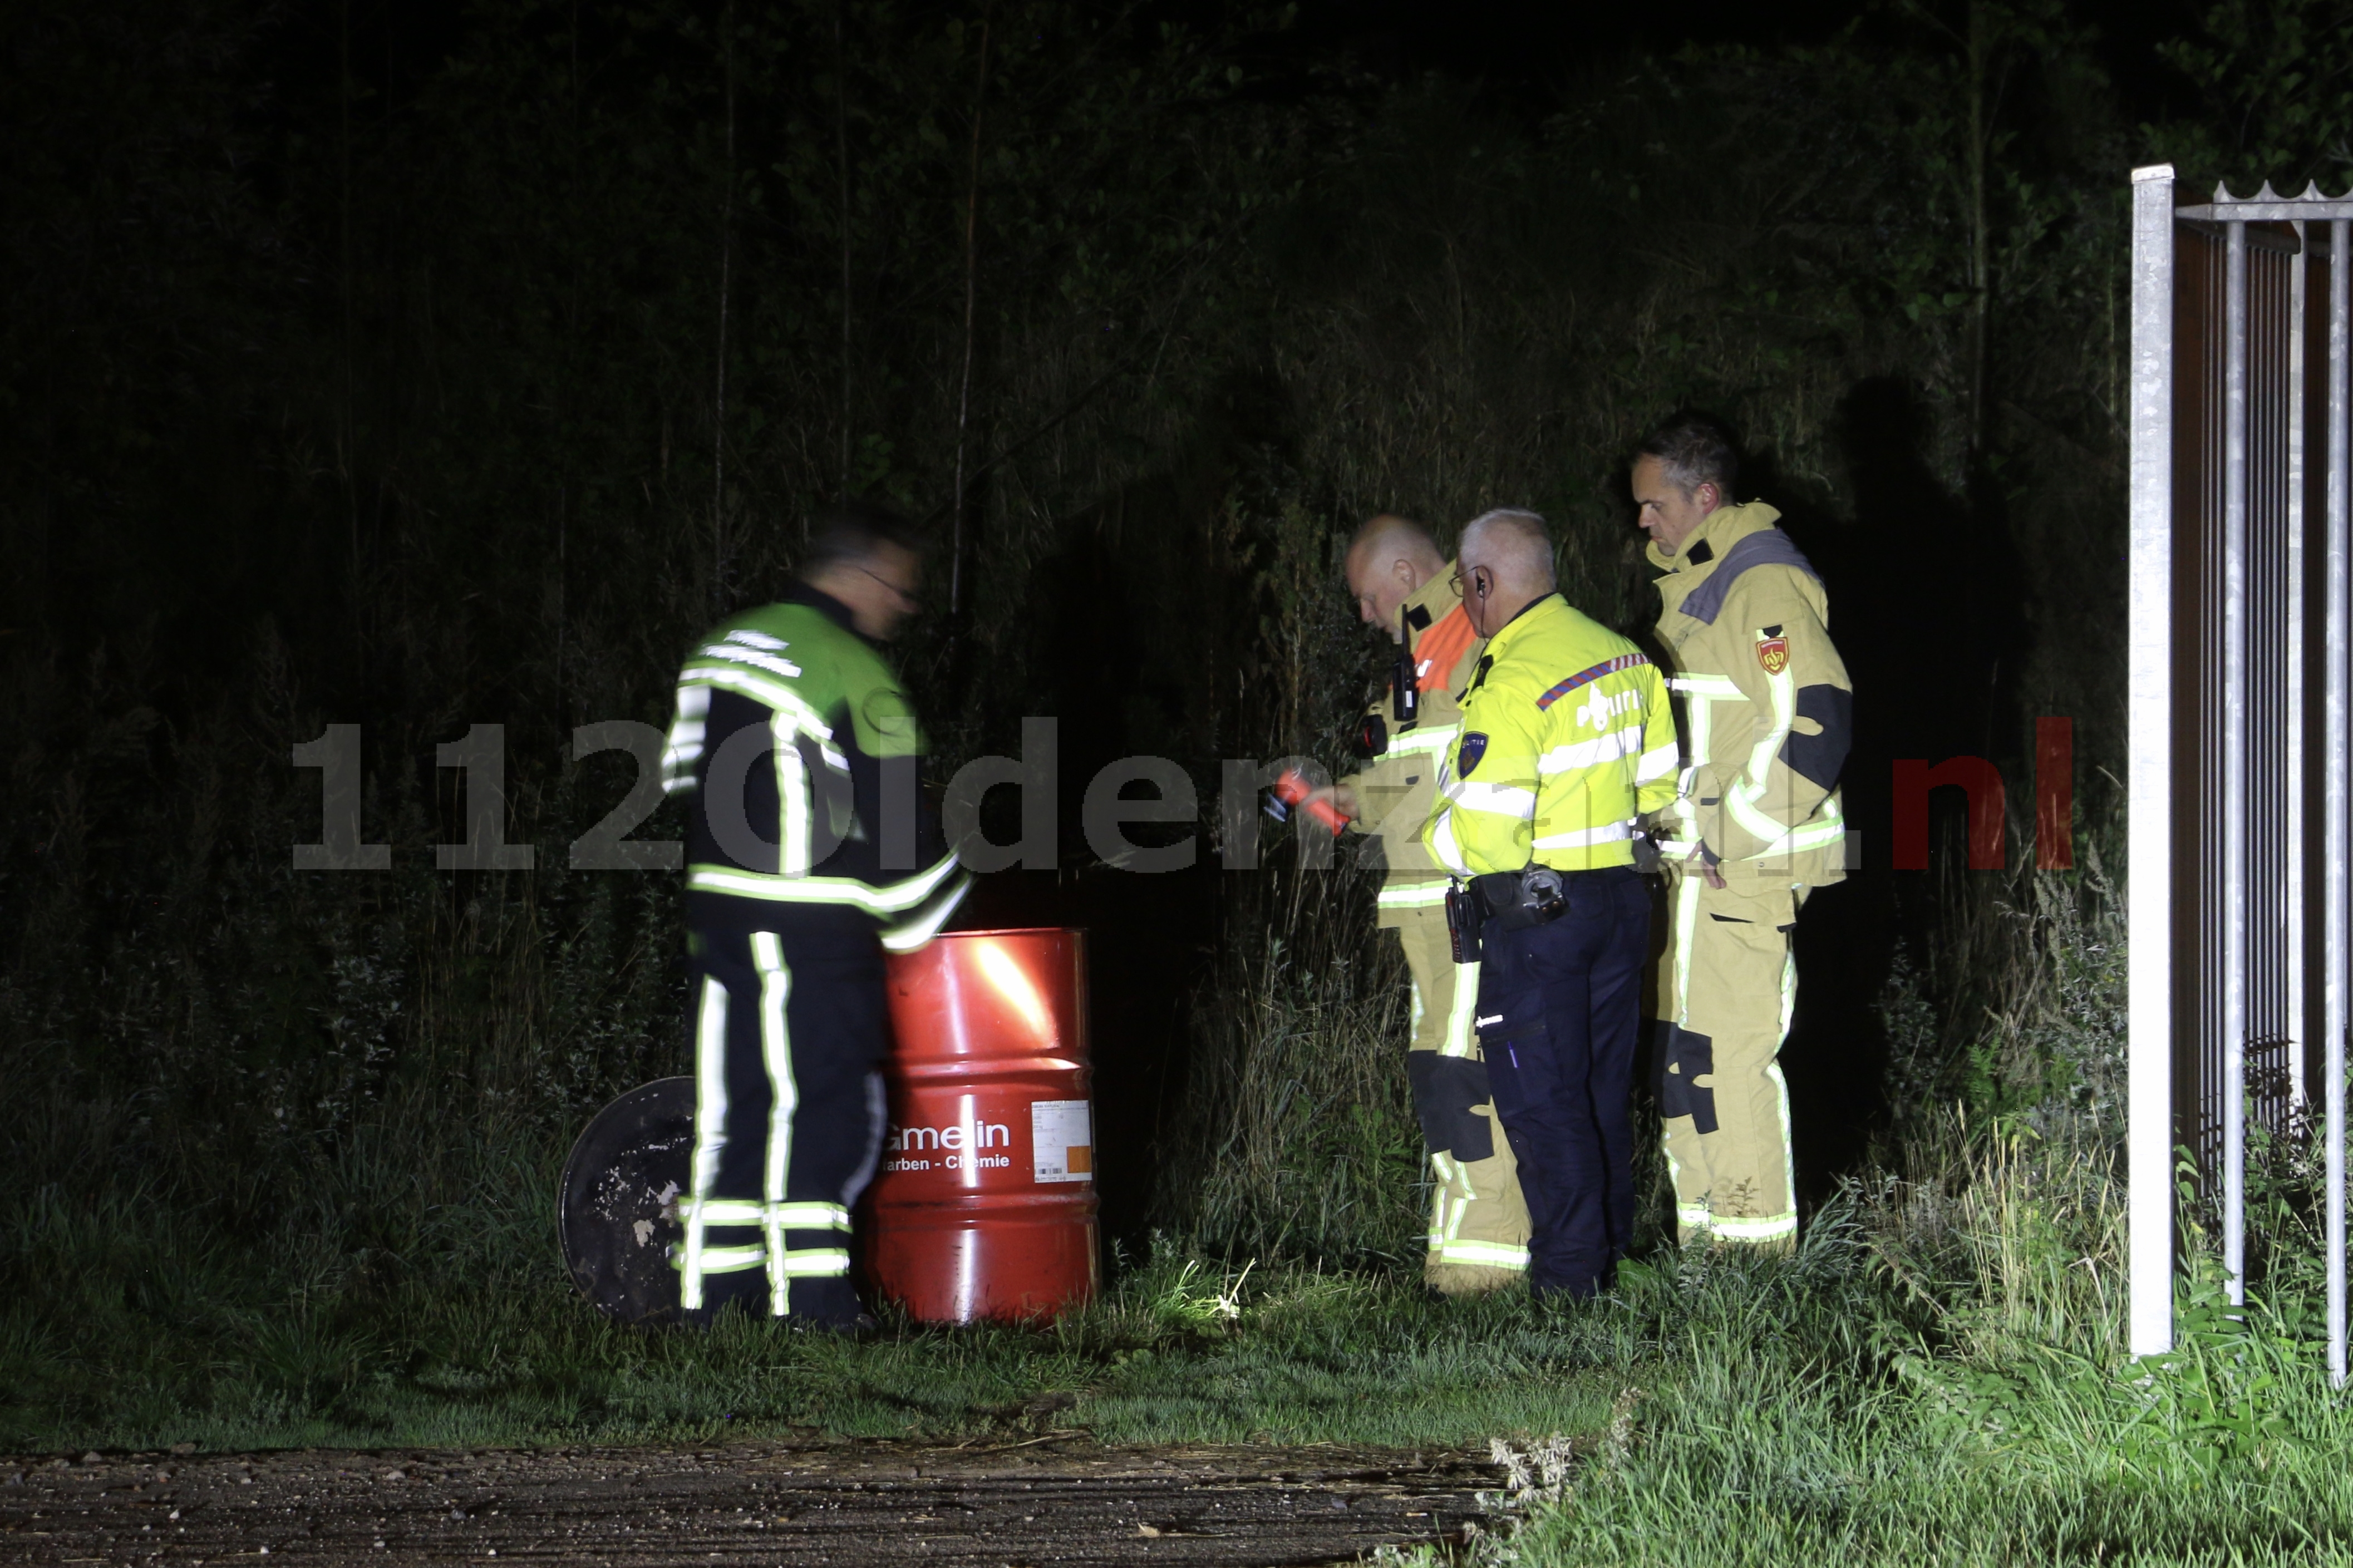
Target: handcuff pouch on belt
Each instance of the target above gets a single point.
(1508, 901)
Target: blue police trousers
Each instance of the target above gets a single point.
(1559, 1013)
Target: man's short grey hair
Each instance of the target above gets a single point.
(1695, 450)
(1518, 543)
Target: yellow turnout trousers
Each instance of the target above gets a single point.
(1728, 984)
(1478, 1221)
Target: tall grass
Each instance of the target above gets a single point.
(1300, 1139)
(1940, 1376)
(1940, 1373)
(1804, 1428)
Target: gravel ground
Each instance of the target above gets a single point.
(1006, 1505)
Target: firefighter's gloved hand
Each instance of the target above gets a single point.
(1708, 860)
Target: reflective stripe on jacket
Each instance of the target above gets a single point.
(1768, 711)
(1395, 789)
(798, 750)
(1567, 737)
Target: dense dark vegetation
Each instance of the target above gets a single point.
(429, 367)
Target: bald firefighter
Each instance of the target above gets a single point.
(1478, 1222)
(1566, 739)
(1754, 828)
(810, 851)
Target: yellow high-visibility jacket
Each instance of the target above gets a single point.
(1768, 711)
(1394, 790)
(1566, 737)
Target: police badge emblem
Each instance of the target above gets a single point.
(1474, 746)
(1773, 653)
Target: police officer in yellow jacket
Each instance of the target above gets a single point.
(1755, 826)
(1478, 1223)
(1566, 739)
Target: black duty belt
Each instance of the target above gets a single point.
(1507, 901)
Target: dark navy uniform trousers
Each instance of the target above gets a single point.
(1559, 1012)
(789, 1029)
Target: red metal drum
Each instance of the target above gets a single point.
(985, 1203)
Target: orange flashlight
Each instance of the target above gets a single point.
(1293, 790)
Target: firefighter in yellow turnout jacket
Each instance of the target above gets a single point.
(1478, 1222)
(1755, 827)
(1566, 738)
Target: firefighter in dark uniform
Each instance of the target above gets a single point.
(810, 851)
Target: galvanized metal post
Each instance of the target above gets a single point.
(2337, 917)
(2234, 763)
(2149, 769)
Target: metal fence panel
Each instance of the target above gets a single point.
(2238, 785)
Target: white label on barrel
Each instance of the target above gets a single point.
(1061, 1140)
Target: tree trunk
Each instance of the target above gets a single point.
(1980, 284)
(971, 301)
(719, 393)
(842, 173)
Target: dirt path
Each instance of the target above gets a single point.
(1002, 1506)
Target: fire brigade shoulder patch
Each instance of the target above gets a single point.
(1474, 746)
(1773, 653)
